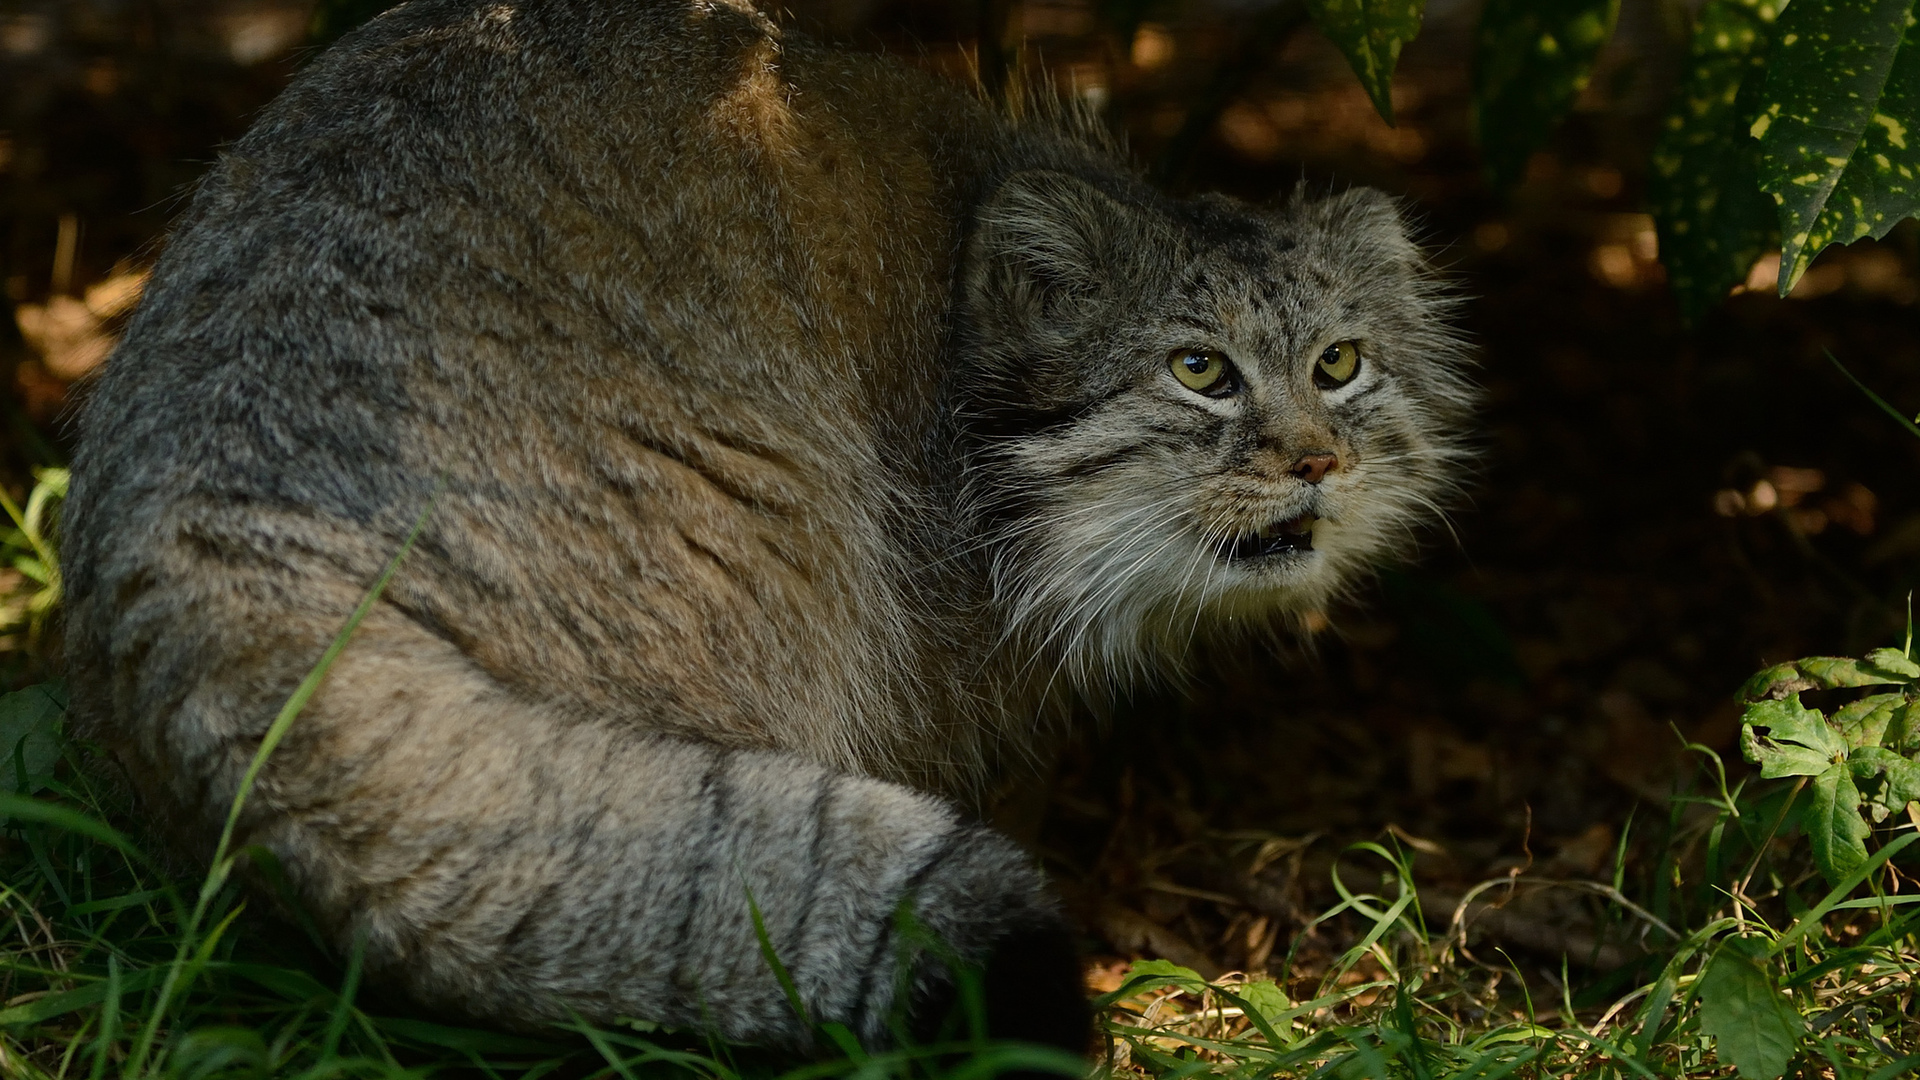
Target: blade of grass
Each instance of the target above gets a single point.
(109, 1020)
(343, 1005)
(1806, 923)
(46, 1008)
(1898, 416)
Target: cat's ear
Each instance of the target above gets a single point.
(1046, 244)
(1372, 219)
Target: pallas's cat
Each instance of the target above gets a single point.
(800, 435)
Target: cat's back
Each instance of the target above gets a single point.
(681, 172)
(641, 287)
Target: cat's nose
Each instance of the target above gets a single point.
(1312, 467)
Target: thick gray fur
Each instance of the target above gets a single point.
(804, 438)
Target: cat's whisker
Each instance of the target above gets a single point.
(1077, 616)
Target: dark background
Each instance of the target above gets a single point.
(1660, 509)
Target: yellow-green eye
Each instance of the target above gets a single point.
(1202, 371)
(1338, 365)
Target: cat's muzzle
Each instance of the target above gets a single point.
(1294, 535)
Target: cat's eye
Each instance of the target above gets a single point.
(1338, 365)
(1202, 371)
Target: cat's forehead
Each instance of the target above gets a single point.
(1276, 275)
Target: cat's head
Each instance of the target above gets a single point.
(1187, 415)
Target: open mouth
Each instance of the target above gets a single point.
(1278, 538)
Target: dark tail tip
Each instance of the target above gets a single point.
(1033, 990)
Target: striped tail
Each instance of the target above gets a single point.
(505, 861)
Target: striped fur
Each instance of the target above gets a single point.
(796, 424)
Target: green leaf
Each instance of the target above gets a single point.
(1370, 33)
(1864, 722)
(1148, 975)
(1267, 997)
(1165, 968)
(1898, 777)
(1704, 187)
(1903, 729)
(1531, 59)
(1834, 672)
(1895, 662)
(1782, 759)
(29, 738)
(1767, 680)
(1836, 149)
(1752, 1026)
(1798, 741)
(1833, 824)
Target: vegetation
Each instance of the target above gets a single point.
(1789, 131)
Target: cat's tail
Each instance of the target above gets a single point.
(504, 860)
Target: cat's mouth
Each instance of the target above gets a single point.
(1278, 538)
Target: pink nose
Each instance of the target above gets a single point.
(1314, 466)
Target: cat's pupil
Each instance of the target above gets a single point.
(1198, 363)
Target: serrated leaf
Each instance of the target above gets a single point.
(1903, 729)
(1531, 59)
(1778, 760)
(1833, 824)
(1797, 740)
(1894, 662)
(1267, 997)
(1903, 783)
(1864, 722)
(1834, 672)
(1887, 781)
(1704, 187)
(1752, 1026)
(1764, 682)
(29, 737)
(1370, 33)
(1836, 152)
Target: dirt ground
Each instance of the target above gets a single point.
(1659, 511)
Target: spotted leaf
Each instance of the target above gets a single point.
(1704, 188)
(1531, 59)
(1839, 127)
(1370, 33)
